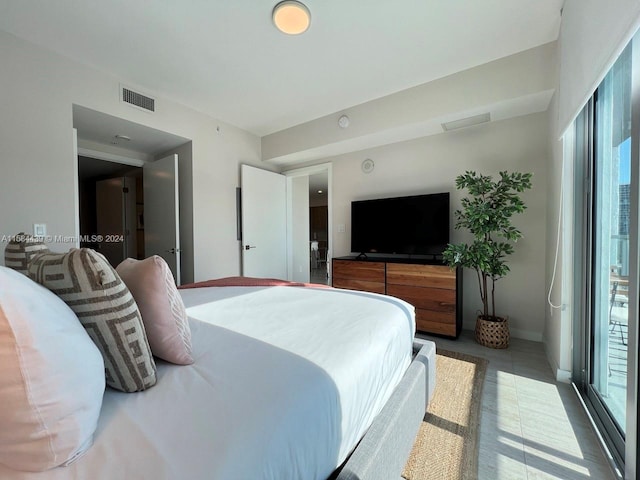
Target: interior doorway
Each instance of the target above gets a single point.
(111, 209)
(319, 227)
(309, 223)
(150, 207)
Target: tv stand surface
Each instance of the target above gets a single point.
(429, 260)
(430, 286)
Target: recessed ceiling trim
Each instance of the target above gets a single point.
(466, 122)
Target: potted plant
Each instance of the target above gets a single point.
(486, 214)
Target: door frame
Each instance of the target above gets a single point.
(307, 172)
(76, 190)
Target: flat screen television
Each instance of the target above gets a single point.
(414, 225)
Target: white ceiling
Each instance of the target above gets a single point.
(318, 181)
(225, 58)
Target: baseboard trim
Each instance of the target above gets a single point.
(561, 375)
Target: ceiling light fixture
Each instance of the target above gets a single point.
(291, 17)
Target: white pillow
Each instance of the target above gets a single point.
(51, 378)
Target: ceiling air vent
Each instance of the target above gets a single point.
(137, 99)
(466, 122)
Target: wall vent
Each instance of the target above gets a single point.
(466, 122)
(137, 99)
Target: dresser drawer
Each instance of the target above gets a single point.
(434, 290)
(436, 299)
(436, 322)
(367, 271)
(435, 276)
(363, 285)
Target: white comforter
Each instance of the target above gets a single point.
(285, 382)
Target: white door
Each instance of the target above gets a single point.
(161, 212)
(264, 223)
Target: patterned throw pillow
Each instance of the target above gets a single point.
(91, 287)
(20, 250)
(165, 319)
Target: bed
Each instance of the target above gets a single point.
(287, 383)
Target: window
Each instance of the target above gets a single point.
(606, 299)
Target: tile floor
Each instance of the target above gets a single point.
(319, 275)
(531, 426)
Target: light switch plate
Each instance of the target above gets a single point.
(341, 228)
(39, 229)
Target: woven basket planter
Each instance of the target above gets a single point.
(492, 334)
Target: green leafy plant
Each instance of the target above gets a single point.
(487, 213)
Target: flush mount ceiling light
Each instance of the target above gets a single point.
(291, 17)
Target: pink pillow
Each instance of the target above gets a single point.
(163, 314)
(51, 378)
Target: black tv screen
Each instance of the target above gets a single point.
(415, 225)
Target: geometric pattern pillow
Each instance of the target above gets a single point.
(19, 251)
(86, 282)
(165, 319)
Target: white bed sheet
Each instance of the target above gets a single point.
(285, 382)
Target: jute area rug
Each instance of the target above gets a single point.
(446, 446)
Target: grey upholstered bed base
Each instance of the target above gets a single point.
(383, 451)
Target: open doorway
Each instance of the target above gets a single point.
(135, 191)
(319, 227)
(111, 209)
(309, 223)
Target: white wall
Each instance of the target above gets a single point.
(430, 165)
(592, 35)
(558, 328)
(37, 181)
